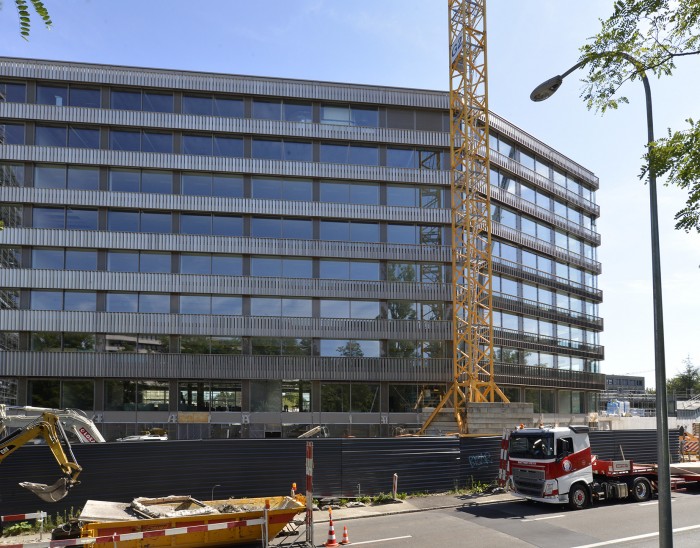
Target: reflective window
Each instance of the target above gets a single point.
(349, 193)
(83, 178)
(297, 112)
(125, 100)
(157, 102)
(154, 262)
(208, 184)
(156, 222)
(11, 92)
(11, 174)
(123, 221)
(350, 115)
(149, 101)
(267, 188)
(50, 136)
(154, 303)
(51, 95)
(122, 302)
(81, 219)
(46, 300)
(48, 217)
(197, 144)
(349, 154)
(124, 140)
(226, 305)
(268, 149)
(47, 176)
(231, 147)
(195, 304)
(224, 225)
(81, 259)
(84, 97)
(157, 182)
(195, 224)
(50, 258)
(124, 180)
(157, 142)
(191, 263)
(212, 106)
(226, 265)
(80, 300)
(12, 134)
(349, 348)
(83, 137)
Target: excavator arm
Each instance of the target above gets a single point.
(48, 426)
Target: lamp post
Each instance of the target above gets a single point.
(212, 491)
(542, 92)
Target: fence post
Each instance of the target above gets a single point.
(309, 493)
(395, 485)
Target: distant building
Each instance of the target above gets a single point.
(223, 255)
(624, 383)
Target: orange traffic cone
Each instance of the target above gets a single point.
(346, 539)
(331, 532)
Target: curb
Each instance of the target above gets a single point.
(415, 510)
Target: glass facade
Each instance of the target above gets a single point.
(303, 238)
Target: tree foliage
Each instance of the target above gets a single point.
(656, 33)
(687, 381)
(25, 15)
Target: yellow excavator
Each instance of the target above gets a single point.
(47, 426)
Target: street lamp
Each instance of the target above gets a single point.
(544, 91)
(212, 491)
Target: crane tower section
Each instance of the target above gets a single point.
(473, 375)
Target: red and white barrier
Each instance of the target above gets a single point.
(141, 535)
(503, 469)
(22, 517)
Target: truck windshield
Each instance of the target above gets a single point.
(531, 446)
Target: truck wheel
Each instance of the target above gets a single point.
(641, 490)
(578, 496)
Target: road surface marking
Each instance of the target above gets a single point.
(637, 537)
(651, 503)
(544, 517)
(381, 540)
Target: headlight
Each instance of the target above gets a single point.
(549, 486)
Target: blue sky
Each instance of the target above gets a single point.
(404, 43)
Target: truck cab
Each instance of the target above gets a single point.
(546, 463)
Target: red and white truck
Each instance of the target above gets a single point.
(555, 465)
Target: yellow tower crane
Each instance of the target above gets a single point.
(472, 295)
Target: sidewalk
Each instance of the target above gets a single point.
(415, 504)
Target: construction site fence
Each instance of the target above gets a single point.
(343, 467)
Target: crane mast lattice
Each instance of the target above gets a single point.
(472, 295)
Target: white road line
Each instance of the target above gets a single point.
(652, 503)
(381, 540)
(544, 517)
(637, 537)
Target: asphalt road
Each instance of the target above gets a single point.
(520, 524)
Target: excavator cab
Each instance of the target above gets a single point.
(47, 426)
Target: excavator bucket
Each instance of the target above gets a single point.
(49, 493)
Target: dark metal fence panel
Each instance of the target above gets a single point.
(422, 464)
(479, 460)
(637, 445)
(122, 471)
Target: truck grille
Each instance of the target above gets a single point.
(528, 481)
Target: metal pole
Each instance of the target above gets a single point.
(664, 471)
(542, 92)
(309, 493)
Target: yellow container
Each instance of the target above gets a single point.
(222, 529)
